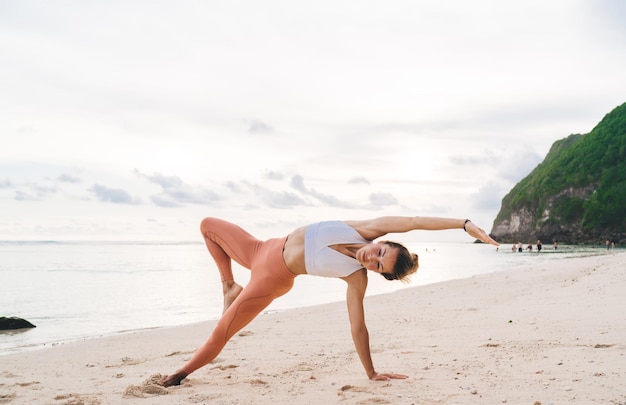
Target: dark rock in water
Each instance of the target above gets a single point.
(14, 323)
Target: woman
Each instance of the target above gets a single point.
(344, 249)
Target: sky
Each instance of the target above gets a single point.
(133, 120)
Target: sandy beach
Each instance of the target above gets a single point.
(553, 333)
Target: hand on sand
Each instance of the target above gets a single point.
(388, 376)
(173, 379)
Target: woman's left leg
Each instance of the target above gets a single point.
(226, 242)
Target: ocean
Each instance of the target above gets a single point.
(80, 290)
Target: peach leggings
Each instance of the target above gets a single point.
(270, 278)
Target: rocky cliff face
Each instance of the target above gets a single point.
(526, 224)
(576, 195)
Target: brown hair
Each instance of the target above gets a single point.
(406, 263)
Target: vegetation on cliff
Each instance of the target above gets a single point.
(579, 190)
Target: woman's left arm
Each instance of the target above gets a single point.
(377, 227)
(357, 284)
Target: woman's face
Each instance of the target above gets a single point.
(378, 257)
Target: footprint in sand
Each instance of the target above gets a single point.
(202, 399)
(149, 387)
(126, 361)
(224, 367)
(363, 390)
(353, 388)
(6, 397)
(173, 353)
(75, 399)
(28, 384)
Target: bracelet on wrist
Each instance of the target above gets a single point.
(465, 223)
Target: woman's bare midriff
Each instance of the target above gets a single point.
(293, 251)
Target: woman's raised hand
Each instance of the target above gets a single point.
(478, 233)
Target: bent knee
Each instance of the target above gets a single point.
(208, 224)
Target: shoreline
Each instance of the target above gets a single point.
(552, 332)
(437, 268)
(97, 307)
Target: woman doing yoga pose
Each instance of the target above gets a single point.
(343, 249)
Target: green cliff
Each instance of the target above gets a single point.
(576, 195)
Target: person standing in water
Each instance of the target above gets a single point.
(342, 249)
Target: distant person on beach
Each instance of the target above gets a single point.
(342, 249)
(607, 244)
(556, 245)
(520, 247)
(529, 247)
(514, 248)
(539, 245)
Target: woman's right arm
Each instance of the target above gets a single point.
(357, 284)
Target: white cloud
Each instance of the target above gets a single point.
(358, 180)
(275, 199)
(259, 127)
(175, 193)
(68, 178)
(489, 196)
(381, 199)
(5, 184)
(114, 195)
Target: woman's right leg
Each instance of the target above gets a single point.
(254, 298)
(226, 241)
(270, 279)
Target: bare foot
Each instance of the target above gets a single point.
(173, 379)
(231, 291)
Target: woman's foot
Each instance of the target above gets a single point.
(173, 379)
(231, 292)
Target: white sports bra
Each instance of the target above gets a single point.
(322, 260)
